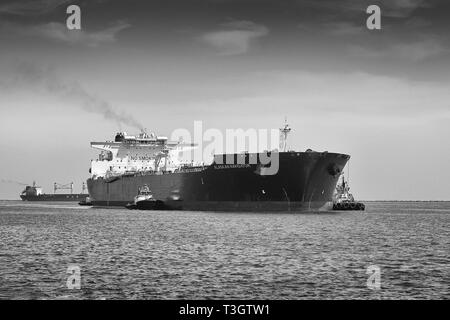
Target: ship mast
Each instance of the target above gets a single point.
(58, 186)
(284, 134)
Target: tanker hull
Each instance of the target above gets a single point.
(305, 181)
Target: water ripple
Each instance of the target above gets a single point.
(196, 255)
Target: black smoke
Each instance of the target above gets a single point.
(47, 78)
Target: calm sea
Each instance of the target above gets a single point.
(125, 254)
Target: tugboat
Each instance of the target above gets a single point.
(343, 200)
(86, 202)
(145, 200)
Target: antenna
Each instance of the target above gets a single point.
(348, 172)
(284, 134)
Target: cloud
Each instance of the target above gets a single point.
(235, 37)
(58, 32)
(345, 28)
(407, 4)
(339, 28)
(403, 8)
(389, 8)
(414, 51)
(366, 97)
(31, 7)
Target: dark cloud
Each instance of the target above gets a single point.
(313, 34)
(390, 8)
(31, 7)
(56, 31)
(234, 37)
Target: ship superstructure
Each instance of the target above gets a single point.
(132, 154)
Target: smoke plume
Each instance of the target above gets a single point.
(13, 182)
(75, 92)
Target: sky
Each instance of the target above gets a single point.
(381, 96)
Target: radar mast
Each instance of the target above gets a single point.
(284, 135)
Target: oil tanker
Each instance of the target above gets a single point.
(35, 193)
(303, 181)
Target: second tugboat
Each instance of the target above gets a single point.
(145, 200)
(343, 200)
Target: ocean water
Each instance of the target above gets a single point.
(125, 254)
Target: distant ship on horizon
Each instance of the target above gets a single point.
(35, 193)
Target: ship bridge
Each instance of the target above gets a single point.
(132, 154)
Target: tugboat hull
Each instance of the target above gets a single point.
(349, 206)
